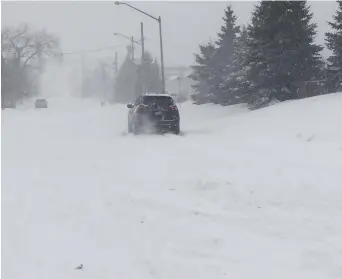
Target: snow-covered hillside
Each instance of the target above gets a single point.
(239, 195)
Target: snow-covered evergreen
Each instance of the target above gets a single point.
(216, 62)
(203, 74)
(268, 61)
(235, 84)
(334, 43)
(225, 55)
(282, 51)
(135, 78)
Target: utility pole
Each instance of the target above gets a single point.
(103, 77)
(116, 63)
(103, 73)
(116, 76)
(142, 42)
(82, 78)
(132, 43)
(179, 85)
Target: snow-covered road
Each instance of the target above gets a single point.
(239, 195)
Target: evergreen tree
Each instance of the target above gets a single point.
(281, 50)
(135, 79)
(236, 84)
(203, 74)
(215, 63)
(225, 55)
(334, 43)
(149, 77)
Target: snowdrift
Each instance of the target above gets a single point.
(240, 195)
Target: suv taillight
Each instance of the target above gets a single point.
(173, 107)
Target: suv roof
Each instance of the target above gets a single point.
(157, 95)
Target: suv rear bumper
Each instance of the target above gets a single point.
(143, 120)
(166, 124)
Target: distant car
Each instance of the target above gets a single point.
(41, 103)
(156, 112)
(8, 104)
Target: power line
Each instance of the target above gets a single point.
(167, 41)
(92, 50)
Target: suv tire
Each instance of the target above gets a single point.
(175, 129)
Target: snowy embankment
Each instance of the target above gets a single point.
(240, 195)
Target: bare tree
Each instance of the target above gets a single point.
(26, 48)
(25, 52)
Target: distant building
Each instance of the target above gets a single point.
(177, 82)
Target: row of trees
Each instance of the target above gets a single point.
(23, 55)
(133, 79)
(99, 82)
(137, 77)
(269, 60)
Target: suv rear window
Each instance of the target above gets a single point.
(158, 100)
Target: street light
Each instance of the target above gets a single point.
(129, 38)
(132, 42)
(160, 36)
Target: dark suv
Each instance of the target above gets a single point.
(156, 112)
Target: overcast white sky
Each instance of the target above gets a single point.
(87, 25)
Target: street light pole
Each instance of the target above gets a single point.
(160, 35)
(161, 55)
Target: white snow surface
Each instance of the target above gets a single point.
(239, 194)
